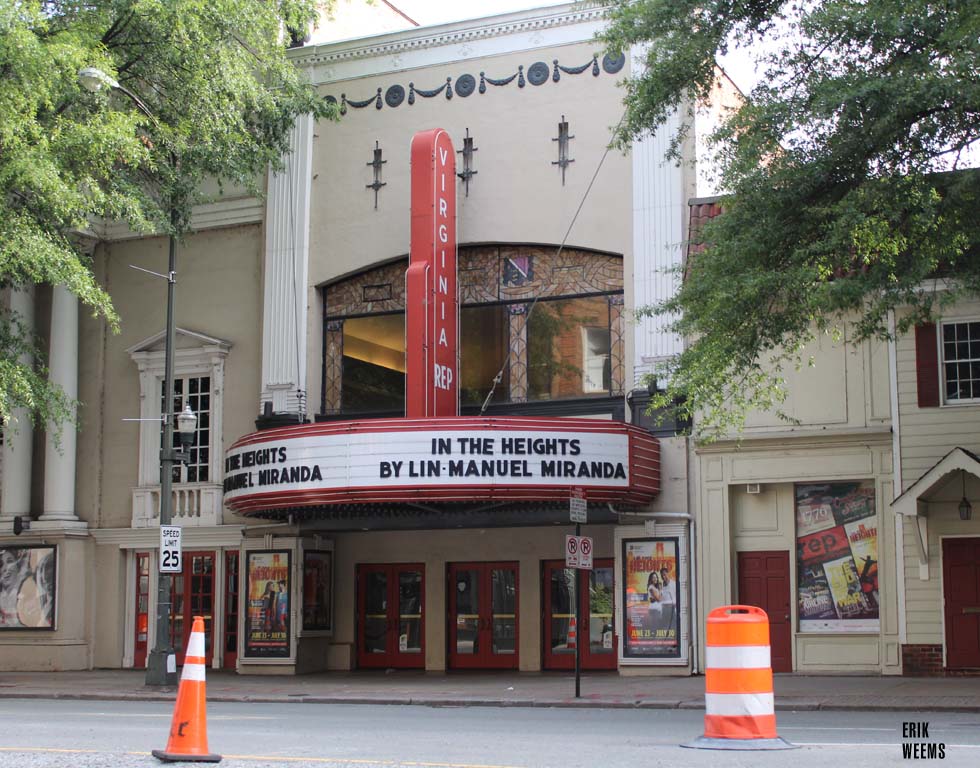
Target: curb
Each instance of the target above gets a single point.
(804, 705)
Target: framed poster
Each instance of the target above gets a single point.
(837, 557)
(27, 587)
(651, 599)
(318, 590)
(267, 621)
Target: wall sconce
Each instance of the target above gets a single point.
(965, 508)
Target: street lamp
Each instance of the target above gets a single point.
(161, 666)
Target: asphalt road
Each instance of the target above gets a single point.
(96, 734)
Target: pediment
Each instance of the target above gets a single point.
(183, 339)
(930, 486)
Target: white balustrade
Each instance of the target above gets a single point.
(194, 504)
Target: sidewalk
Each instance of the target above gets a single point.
(528, 689)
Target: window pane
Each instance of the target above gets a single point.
(374, 363)
(484, 333)
(568, 348)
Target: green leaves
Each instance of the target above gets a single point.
(844, 173)
(222, 98)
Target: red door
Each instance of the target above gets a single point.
(594, 591)
(231, 611)
(483, 616)
(961, 588)
(763, 581)
(192, 594)
(142, 609)
(391, 615)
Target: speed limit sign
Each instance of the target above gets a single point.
(170, 549)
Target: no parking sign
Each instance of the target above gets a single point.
(578, 552)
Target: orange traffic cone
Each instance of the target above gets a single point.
(189, 727)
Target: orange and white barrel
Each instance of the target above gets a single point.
(738, 696)
(739, 705)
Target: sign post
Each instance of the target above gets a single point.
(582, 551)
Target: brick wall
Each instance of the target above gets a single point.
(922, 660)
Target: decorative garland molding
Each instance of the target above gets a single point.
(432, 46)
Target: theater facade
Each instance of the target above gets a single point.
(387, 443)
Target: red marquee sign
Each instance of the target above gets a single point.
(431, 301)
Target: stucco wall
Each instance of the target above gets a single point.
(219, 294)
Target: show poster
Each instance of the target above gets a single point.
(27, 587)
(317, 590)
(651, 599)
(267, 623)
(837, 557)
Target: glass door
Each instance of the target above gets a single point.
(192, 594)
(563, 588)
(483, 605)
(390, 615)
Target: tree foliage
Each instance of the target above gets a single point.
(844, 171)
(218, 98)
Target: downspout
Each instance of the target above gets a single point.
(897, 477)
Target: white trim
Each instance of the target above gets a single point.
(957, 459)
(129, 615)
(204, 537)
(943, 400)
(737, 657)
(739, 704)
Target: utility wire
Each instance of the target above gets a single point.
(527, 315)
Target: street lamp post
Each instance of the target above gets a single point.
(161, 667)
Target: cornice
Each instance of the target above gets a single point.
(799, 439)
(454, 34)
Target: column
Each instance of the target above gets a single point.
(517, 315)
(18, 439)
(286, 267)
(59, 454)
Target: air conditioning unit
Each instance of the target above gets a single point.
(753, 488)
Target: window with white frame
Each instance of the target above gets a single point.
(193, 391)
(961, 361)
(198, 382)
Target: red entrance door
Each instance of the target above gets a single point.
(483, 616)
(961, 587)
(391, 615)
(192, 594)
(763, 581)
(594, 591)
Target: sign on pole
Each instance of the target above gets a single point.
(170, 549)
(578, 552)
(577, 506)
(585, 553)
(571, 552)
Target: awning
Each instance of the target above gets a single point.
(914, 502)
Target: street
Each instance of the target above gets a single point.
(94, 734)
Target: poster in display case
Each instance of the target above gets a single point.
(267, 620)
(651, 599)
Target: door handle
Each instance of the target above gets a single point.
(972, 609)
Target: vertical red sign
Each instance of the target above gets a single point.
(431, 299)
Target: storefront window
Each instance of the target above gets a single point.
(568, 345)
(837, 557)
(317, 590)
(483, 333)
(374, 363)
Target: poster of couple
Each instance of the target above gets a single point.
(267, 627)
(652, 620)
